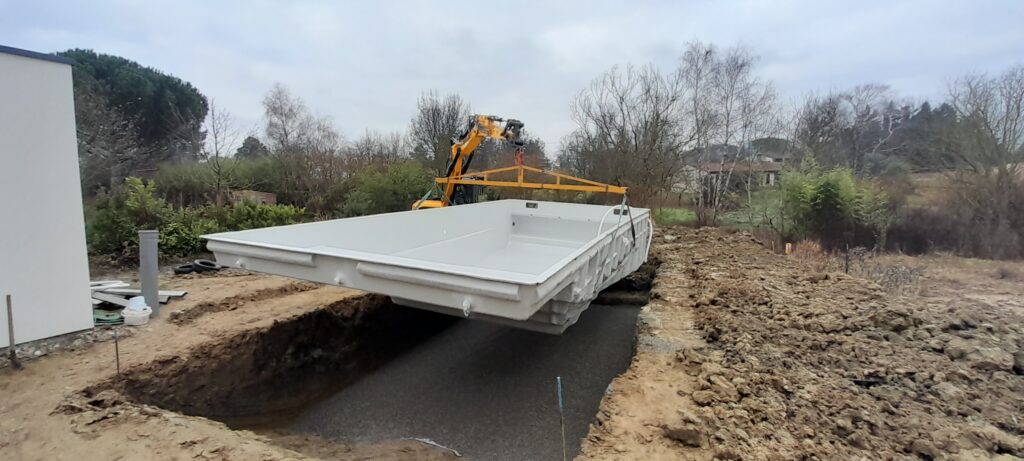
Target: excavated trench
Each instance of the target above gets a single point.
(366, 370)
(262, 377)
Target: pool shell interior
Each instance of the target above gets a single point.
(514, 236)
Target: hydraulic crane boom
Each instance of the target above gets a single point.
(481, 128)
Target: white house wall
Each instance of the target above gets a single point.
(43, 262)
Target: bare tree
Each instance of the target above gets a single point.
(743, 108)
(306, 149)
(655, 131)
(849, 128)
(628, 131)
(726, 107)
(107, 144)
(286, 118)
(984, 160)
(437, 120)
(991, 111)
(376, 149)
(222, 138)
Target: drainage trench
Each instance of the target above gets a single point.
(366, 370)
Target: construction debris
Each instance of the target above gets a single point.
(118, 292)
(108, 294)
(199, 265)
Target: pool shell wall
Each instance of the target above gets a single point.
(533, 265)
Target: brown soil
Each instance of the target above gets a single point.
(234, 302)
(263, 375)
(72, 405)
(744, 354)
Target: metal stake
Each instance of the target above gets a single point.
(10, 335)
(561, 415)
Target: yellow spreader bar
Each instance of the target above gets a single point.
(585, 185)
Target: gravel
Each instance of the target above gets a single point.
(485, 390)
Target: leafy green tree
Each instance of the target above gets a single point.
(251, 148)
(161, 115)
(167, 111)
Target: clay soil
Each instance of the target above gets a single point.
(745, 354)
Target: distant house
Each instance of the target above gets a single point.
(767, 172)
(764, 158)
(252, 196)
(775, 150)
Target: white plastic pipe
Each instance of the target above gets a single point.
(148, 258)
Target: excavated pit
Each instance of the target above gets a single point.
(262, 377)
(365, 370)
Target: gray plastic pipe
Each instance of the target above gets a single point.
(148, 260)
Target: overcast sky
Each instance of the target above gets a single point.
(364, 64)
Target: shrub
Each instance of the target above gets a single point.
(393, 188)
(248, 215)
(834, 208)
(180, 231)
(923, 230)
(981, 216)
(112, 226)
(113, 222)
(185, 184)
(808, 250)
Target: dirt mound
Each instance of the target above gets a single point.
(190, 315)
(750, 355)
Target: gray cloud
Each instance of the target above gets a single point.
(364, 63)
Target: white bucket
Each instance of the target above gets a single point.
(137, 303)
(136, 317)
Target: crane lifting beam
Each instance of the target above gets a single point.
(581, 185)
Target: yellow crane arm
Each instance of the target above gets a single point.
(481, 127)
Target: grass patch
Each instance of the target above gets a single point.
(674, 216)
(763, 209)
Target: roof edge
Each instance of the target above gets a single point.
(36, 55)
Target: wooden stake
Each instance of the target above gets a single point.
(10, 335)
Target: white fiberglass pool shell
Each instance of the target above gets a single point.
(534, 265)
